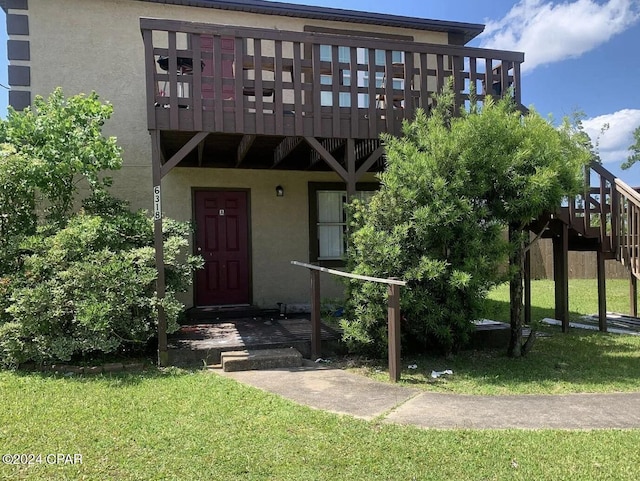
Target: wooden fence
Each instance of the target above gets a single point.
(582, 265)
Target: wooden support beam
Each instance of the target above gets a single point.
(602, 292)
(373, 158)
(243, 149)
(633, 295)
(285, 148)
(561, 275)
(350, 155)
(316, 340)
(393, 320)
(330, 144)
(158, 242)
(183, 152)
(328, 158)
(150, 67)
(200, 153)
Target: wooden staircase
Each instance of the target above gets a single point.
(604, 218)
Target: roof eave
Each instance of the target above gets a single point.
(468, 31)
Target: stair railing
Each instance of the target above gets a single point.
(628, 213)
(608, 209)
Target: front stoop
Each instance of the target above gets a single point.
(255, 359)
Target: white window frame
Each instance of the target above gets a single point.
(339, 221)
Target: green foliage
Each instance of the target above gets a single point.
(63, 143)
(90, 287)
(522, 165)
(17, 205)
(451, 186)
(75, 284)
(635, 150)
(424, 227)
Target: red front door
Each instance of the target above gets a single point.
(222, 239)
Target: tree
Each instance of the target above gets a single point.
(428, 226)
(17, 204)
(523, 166)
(450, 187)
(61, 140)
(635, 150)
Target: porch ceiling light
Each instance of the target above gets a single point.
(279, 191)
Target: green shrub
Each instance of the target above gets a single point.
(420, 227)
(90, 287)
(450, 187)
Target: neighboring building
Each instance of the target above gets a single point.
(257, 119)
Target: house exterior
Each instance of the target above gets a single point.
(255, 120)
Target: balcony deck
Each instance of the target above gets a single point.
(250, 81)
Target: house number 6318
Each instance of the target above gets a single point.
(157, 203)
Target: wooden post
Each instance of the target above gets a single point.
(602, 292)
(316, 340)
(393, 313)
(527, 287)
(163, 354)
(561, 275)
(351, 169)
(633, 295)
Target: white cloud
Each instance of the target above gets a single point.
(615, 141)
(549, 32)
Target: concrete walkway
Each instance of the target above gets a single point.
(346, 393)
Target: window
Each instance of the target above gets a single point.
(328, 229)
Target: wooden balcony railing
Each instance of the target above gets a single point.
(203, 77)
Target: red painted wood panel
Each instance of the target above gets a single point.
(222, 239)
(227, 48)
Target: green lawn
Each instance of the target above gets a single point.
(583, 299)
(183, 425)
(580, 361)
(199, 426)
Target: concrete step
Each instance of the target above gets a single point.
(255, 359)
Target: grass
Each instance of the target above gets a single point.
(183, 425)
(579, 361)
(583, 299)
(196, 425)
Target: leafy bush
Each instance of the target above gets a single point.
(421, 227)
(90, 287)
(75, 284)
(450, 188)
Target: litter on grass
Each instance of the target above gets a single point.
(437, 374)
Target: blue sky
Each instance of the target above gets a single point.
(580, 55)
